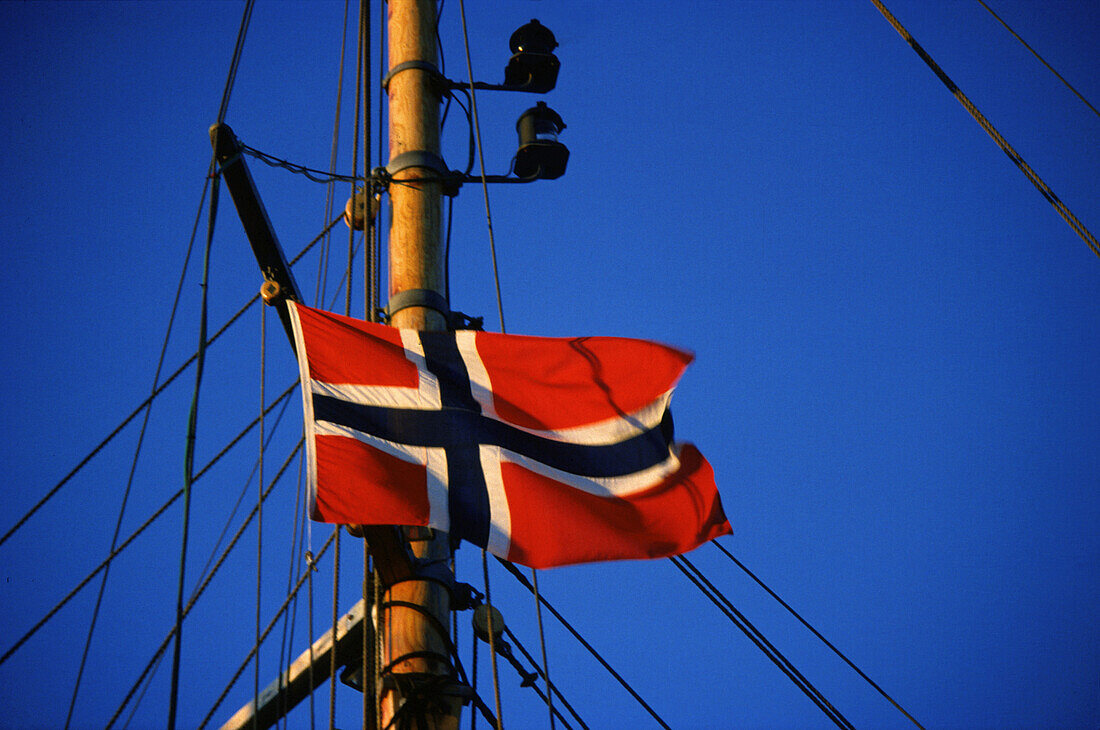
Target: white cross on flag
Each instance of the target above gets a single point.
(545, 451)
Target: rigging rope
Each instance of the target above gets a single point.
(312, 174)
(815, 632)
(266, 631)
(542, 645)
(738, 619)
(244, 489)
(370, 707)
(472, 115)
(200, 362)
(1013, 155)
(322, 277)
(1041, 59)
(371, 274)
(347, 311)
(137, 448)
(312, 681)
(145, 403)
(355, 160)
(591, 650)
(492, 638)
(335, 619)
(207, 573)
(131, 538)
(192, 424)
(481, 158)
(366, 664)
(550, 685)
(236, 61)
(229, 521)
(297, 552)
(197, 593)
(260, 509)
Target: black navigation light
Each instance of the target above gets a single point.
(540, 154)
(533, 67)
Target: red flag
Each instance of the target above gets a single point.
(546, 451)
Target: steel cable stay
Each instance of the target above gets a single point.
(148, 522)
(815, 632)
(740, 621)
(148, 401)
(205, 582)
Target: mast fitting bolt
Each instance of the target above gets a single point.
(270, 292)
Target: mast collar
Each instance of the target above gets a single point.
(433, 71)
(428, 160)
(427, 298)
(430, 299)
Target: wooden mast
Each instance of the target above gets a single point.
(412, 612)
(413, 617)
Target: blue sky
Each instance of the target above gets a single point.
(896, 341)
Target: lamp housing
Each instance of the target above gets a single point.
(540, 154)
(533, 66)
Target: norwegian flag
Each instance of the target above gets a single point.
(545, 451)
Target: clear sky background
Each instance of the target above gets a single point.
(896, 344)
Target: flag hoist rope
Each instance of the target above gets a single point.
(1013, 155)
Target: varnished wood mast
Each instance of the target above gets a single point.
(413, 612)
(416, 262)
